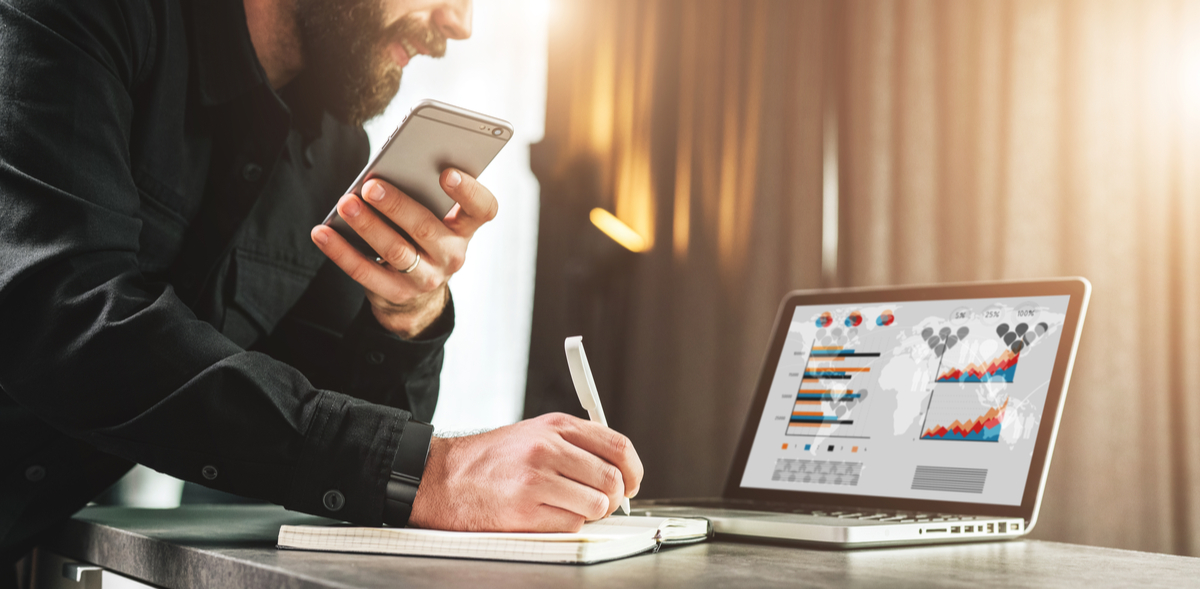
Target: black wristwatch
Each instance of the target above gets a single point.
(407, 469)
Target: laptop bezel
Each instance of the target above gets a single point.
(1079, 290)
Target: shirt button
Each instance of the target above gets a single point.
(252, 172)
(209, 472)
(35, 473)
(333, 500)
(375, 357)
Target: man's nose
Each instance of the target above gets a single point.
(454, 19)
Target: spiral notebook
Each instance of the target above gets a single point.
(611, 538)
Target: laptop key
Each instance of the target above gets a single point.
(850, 515)
(873, 516)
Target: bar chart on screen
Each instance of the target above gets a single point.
(832, 401)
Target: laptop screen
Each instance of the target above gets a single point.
(924, 400)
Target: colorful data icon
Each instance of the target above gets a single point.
(825, 320)
(854, 319)
(886, 318)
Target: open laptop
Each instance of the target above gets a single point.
(894, 416)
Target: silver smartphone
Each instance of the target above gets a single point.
(433, 137)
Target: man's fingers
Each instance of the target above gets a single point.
(476, 204)
(382, 238)
(420, 223)
(367, 273)
(571, 496)
(588, 469)
(552, 519)
(609, 445)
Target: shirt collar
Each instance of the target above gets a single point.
(300, 95)
(223, 55)
(227, 66)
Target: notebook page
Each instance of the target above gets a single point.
(625, 522)
(668, 528)
(600, 530)
(565, 547)
(373, 540)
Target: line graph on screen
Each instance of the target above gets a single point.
(983, 428)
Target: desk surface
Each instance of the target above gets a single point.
(234, 546)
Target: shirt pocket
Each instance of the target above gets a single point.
(267, 286)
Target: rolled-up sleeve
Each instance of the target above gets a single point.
(100, 352)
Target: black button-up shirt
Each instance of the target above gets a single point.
(160, 299)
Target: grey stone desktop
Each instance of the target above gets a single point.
(234, 546)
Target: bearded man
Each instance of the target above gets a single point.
(165, 298)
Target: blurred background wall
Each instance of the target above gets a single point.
(761, 146)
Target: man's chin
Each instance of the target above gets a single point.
(357, 104)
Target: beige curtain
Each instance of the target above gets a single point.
(772, 145)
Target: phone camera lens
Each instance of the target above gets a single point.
(497, 132)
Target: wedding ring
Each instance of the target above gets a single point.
(413, 266)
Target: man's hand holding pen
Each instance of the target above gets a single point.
(546, 474)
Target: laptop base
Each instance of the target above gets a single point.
(833, 528)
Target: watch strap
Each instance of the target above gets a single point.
(407, 469)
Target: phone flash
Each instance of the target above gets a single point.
(497, 132)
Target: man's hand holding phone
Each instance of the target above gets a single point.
(407, 286)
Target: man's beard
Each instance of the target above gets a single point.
(346, 56)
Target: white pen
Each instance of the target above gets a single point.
(585, 387)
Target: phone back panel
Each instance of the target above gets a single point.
(433, 137)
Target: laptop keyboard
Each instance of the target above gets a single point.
(826, 511)
(901, 517)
